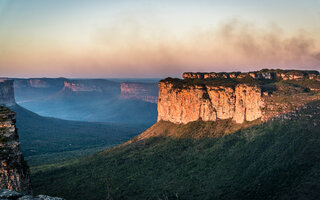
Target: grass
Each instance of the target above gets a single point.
(275, 160)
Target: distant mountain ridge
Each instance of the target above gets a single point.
(88, 99)
(147, 92)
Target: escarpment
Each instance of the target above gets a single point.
(209, 103)
(147, 92)
(14, 172)
(6, 93)
(237, 96)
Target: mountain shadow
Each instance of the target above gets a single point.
(46, 140)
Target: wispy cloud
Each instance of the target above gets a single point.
(231, 45)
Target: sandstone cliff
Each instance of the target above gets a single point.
(14, 172)
(255, 95)
(209, 103)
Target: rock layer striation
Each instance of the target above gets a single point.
(209, 103)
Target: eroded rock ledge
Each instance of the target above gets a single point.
(266, 74)
(256, 95)
(14, 172)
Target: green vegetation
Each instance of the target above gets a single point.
(269, 85)
(291, 71)
(275, 160)
(186, 83)
(306, 84)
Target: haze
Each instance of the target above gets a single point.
(155, 38)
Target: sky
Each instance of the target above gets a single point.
(149, 38)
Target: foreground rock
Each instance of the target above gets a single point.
(14, 171)
(13, 195)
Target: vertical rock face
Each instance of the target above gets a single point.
(183, 106)
(14, 172)
(249, 103)
(6, 93)
(209, 103)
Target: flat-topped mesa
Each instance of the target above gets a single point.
(239, 99)
(6, 93)
(209, 103)
(265, 74)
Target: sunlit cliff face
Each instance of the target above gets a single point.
(154, 41)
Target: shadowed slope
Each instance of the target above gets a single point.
(275, 160)
(46, 139)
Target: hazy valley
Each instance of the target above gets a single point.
(71, 118)
(90, 99)
(217, 136)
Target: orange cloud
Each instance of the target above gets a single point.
(131, 49)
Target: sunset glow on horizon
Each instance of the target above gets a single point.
(103, 39)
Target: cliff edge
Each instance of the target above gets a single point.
(7, 93)
(14, 171)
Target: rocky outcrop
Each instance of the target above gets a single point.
(6, 93)
(13, 195)
(147, 92)
(14, 172)
(266, 74)
(209, 103)
(226, 96)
